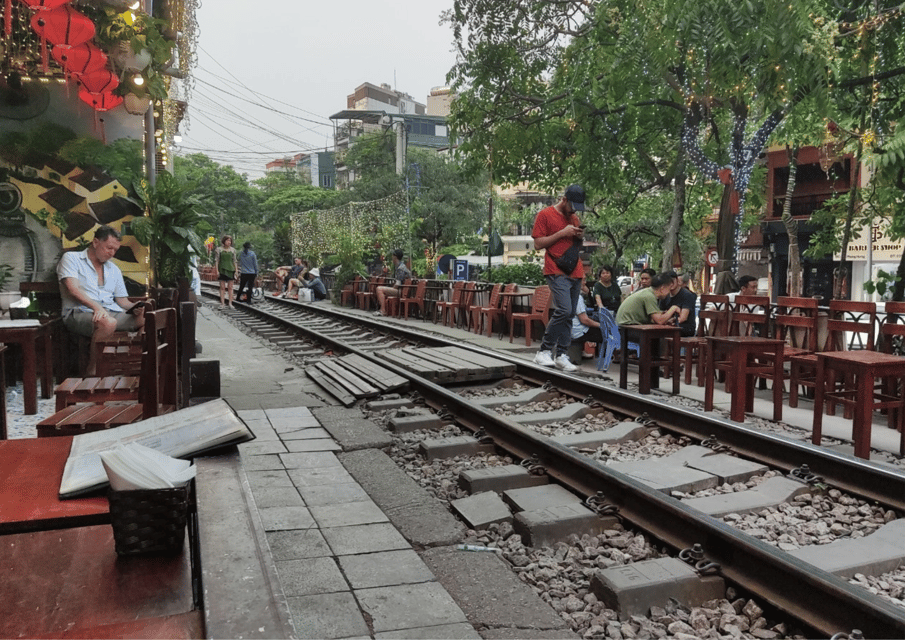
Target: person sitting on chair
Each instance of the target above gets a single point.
(95, 300)
(401, 272)
(585, 328)
(294, 278)
(312, 281)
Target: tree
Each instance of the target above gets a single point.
(372, 161)
(228, 199)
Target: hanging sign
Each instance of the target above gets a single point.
(712, 257)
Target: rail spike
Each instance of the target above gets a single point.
(597, 504)
(695, 557)
(805, 474)
(482, 436)
(534, 466)
(716, 445)
(855, 634)
(646, 420)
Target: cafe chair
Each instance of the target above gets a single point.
(540, 312)
(475, 311)
(414, 301)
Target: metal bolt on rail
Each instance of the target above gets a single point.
(646, 420)
(597, 504)
(854, 635)
(805, 474)
(445, 414)
(482, 436)
(695, 557)
(534, 466)
(716, 445)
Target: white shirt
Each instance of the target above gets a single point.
(579, 329)
(76, 264)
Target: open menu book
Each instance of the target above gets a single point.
(179, 434)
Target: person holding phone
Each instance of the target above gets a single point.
(95, 300)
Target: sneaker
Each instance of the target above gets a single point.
(563, 362)
(544, 359)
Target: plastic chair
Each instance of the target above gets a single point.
(446, 308)
(488, 314)
(476, 311)
(415, 300)
(540, 311)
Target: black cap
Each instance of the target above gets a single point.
(398, 253)
(247, 245)
(575, 195)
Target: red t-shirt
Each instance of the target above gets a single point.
(548, 222)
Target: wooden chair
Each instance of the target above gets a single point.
(347, 294)
(713, 320)
(446, 308)
(845, 317)
(394, 303)
(157, 389)
(365, 298)
(415, 301)
(489, 313)
(750, 316)
(475, 310)
(540, 311)
(795, 323)
(892, 330)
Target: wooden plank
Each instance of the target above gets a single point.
(336, 391)
(479, 358)
(416, 364)
(452, 370)
(378, 376)
(356, 385)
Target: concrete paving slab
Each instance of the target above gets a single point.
(277, 497)
(307, 433)
(633, 589)
(334, 615)
(297, 544)
(256, 447)
(491, 593)
(264, 462)
(351, 430)
(418, 516)
(307, 576)
(349, 513)
(268, 478)
(627, 431)
(442, 448)
(408, 606)
(309, 460)
(389, 405)
(546, 527)
(499, 479)
(364, 538)
(728, 469)
(538, 394)
(528, 634)
(460, 631)
(481, 510)
(770, 493)
(571, 411)
(302, 478)
(276, 413)
(384, 569)
(405, 424)
(665, 476)
(265, 434)
(284, 518)
(321, 444)
(251, 414)
(287, 423)
(537, 498)
(339, 493)
(880, 552)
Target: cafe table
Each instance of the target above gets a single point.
(30, 334)
(645, 334)
(741, 353)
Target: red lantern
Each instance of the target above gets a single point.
(44, 5)
(103, 81)
(83, 59)
(100, 101)
(63, 26)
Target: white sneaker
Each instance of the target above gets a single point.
(544, 359)
(563, 362)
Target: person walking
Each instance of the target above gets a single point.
(227, 268)
(248, 272)
(559, 231)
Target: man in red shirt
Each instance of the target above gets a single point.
(558, 230)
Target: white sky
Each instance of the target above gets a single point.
(302, 59)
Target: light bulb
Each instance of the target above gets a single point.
(138, 80)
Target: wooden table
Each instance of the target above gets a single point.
(30, 473)
(646, 334)
(27, 333)
(742, 351)
(865, 366)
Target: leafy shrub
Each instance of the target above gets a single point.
(529, 274)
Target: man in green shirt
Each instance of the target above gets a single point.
(643, 306)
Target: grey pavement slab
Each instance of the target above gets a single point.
(316, 477)
(309, 460)
(307, 576)
(261, 462)
(571, 411)
(481, 510)
(384, 568)
(351, 430)
(364, 538)
(770, 493)
(283, 518)
(409, 605)
(452, 446)
(277, 497)
(258, 447)
(284, 424)
(460, 631)
(298, 543)
(499, 479)
(338, 493)
(332, 615)
(418, 516)
(305, 433)
(543, 497)
(528, 634)
(323, 444)
(268, 478)
(880, 552)
(346, 514)
(491, 593)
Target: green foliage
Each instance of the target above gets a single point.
(373, 159)
(123, 158)
(349, 263)
(885, 283)
(282, 243)
(229, 201)
(169, 227)
(529, 274)
(35, 146)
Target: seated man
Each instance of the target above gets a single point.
(401, 272)
(311, 280)
(95, 300)
(686, 300)
(643, 307)
(294, 278)
(585, 329)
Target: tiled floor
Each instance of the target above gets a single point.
(20, 425)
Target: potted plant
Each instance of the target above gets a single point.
(169, 227)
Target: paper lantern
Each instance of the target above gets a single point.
(44, 5)
(100, 101)
(137, 105)
(83, 59)
(102, 81)
(63, 26)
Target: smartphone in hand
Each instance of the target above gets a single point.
(133, 309)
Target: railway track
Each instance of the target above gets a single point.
(814, 598)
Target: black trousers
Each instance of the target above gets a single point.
(246, 280)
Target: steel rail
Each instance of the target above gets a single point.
(816, 598)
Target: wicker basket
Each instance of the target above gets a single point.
(149, 520)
